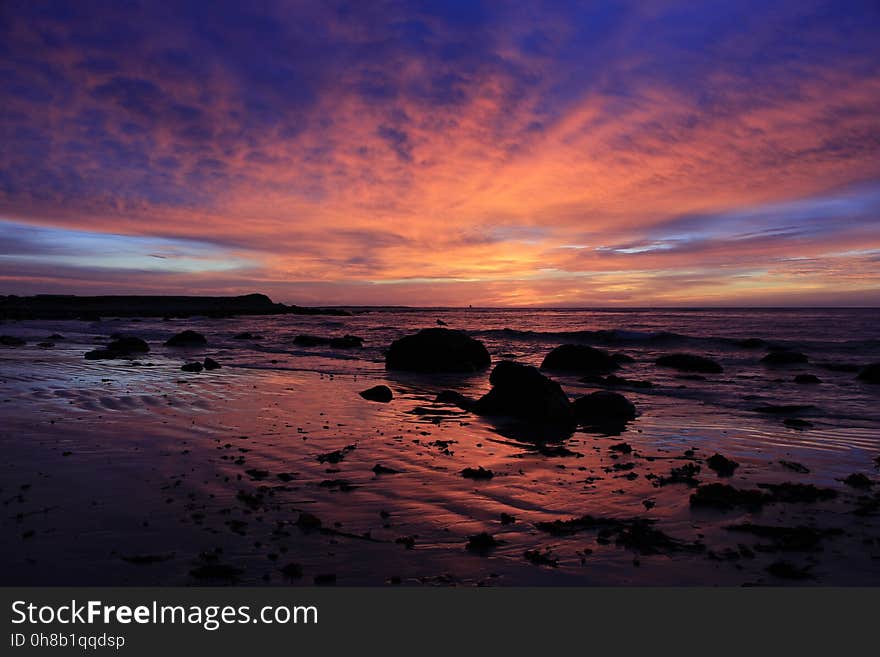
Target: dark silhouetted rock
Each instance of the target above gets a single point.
(870, 374)
(245, 335)
(750, 343)
(455, 399)
(380, 469)
(603, 406)
(437, 350)
(121, 347)
(722, 496)
(101, 354)
(477, 473)
(307, 520)
(858, 480)
(481, 543)
(788, 539)
(129, 345)
(784, 357)
(521, 391)
(579, 358)
(797, 423)
(794, 466)
(346, 342)
(186, 339)
(211, 364)
(11, 341)
(378, 394)
(306, 340)
(292, 570)
(440, 322)
(805, 379)
(690, 363)
(798, 493)
(722, 465)
(195, 366)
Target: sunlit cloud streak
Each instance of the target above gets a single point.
(455, 153)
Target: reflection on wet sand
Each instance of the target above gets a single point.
(277, 473)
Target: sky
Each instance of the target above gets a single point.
(443, 153)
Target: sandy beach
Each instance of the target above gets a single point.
(273, 469)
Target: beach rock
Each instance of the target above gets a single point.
(750, 343)
(683, 474)
(292, 570)
(784, 357)
(722, 465)
(347, 342)
(121, 347)
(437, 350)
(245, 335)
(798, 493)
(477, 473)
(195, 366)
(481, 543)
(129, 345)
(211, 364)
(455, 399)
(522, 391)
(306, 340)
(378, 394)
(722, 496)
(579, 358)
(440, 322)
(11, 341)
(603, 406)
(807, 379)
(794, 466)
(690, 363)
(187, 339)
(870, 374)
(797, 423)
(100, 354)
(308, 520)
(858, 480)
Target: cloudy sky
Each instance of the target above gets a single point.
(443, 153)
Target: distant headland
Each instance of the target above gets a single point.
(58, 306)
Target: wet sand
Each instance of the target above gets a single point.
(138, 475)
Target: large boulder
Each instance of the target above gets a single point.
(690, 363)
(187, 339)
(602, 407)
(870, 374)
(579, 358)
(437, 350)
(122, 347)
(378, 393)
(521, 391)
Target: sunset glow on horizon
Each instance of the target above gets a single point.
(444, 153)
